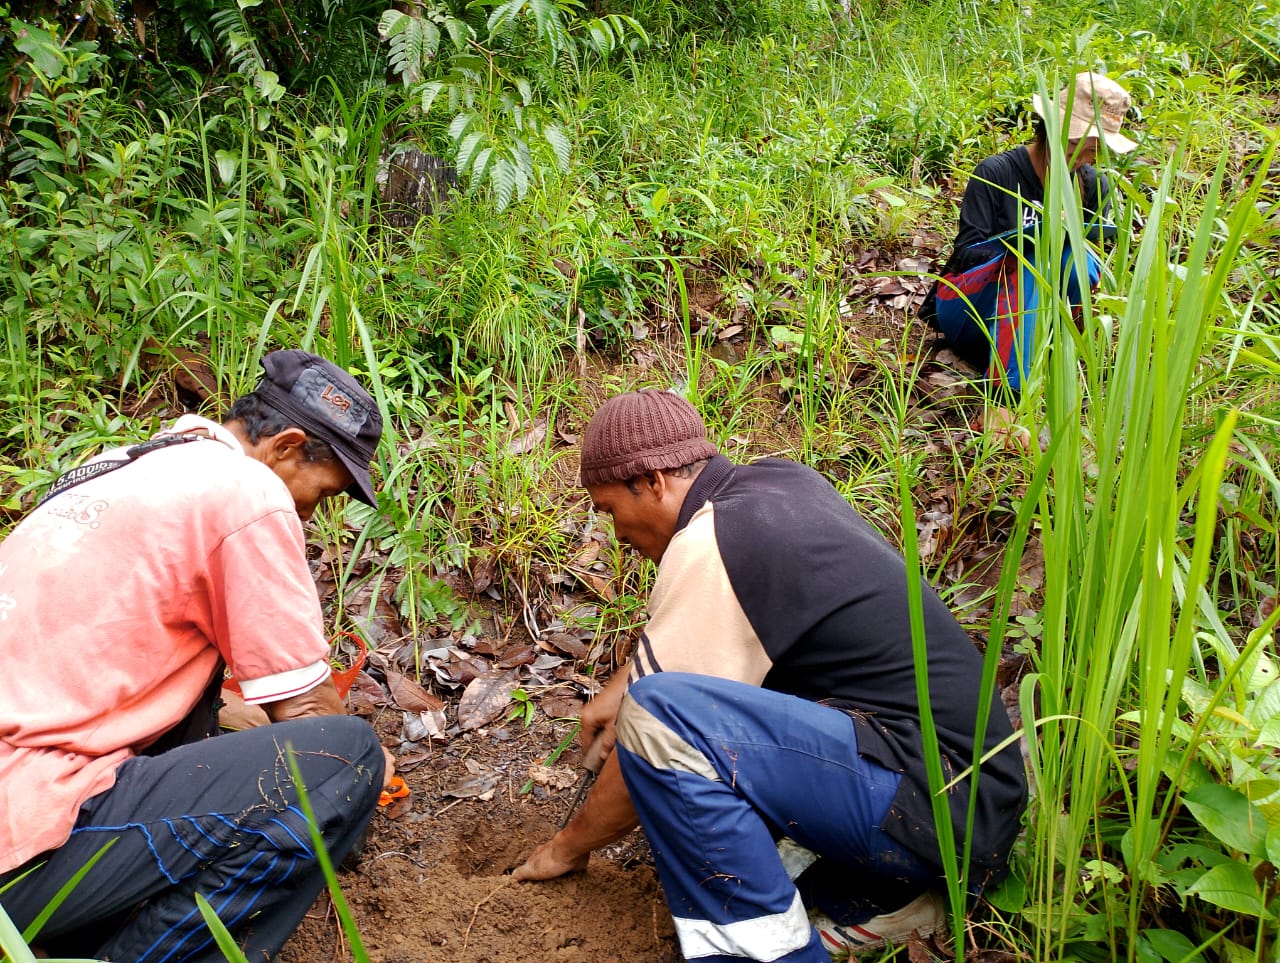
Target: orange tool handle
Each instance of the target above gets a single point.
(396, 789)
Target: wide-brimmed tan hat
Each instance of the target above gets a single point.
(1098, 105)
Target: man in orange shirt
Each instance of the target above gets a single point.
(123, 596)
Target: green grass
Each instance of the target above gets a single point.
(757, 159)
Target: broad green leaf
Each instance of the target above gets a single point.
(1273, 845)
(1230, 886)
(268, 84)
(227, 162)
(1009, 895)
(1145, 952)
(458, 32)
(1096, 928)
(1266, 705)
(503, 176)
(39, 45)
(1172, 946)
(1229, 816)
(458, 126)
(1255, 784)
(1196, 772)
(481, 163)
(1269, 734)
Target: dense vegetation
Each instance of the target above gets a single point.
(202, 180)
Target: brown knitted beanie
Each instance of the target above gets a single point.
(639, 432)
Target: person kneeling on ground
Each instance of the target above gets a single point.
(767, 729)
(126, 592)
(985, 304)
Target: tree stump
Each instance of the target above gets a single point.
(411, 185)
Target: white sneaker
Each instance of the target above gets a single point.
(922, 916)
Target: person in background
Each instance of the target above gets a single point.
(985, 302)
(123, 597)
(766, 733)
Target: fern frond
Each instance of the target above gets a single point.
(467, 149)
(194, 16)
(241, 44)
(459, 32)
(606, 34)
(413, 43)
(503, 178)
(503, 18)
(429, 93)
(560, 144)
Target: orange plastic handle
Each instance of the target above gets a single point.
(396, 789)
(344, 679)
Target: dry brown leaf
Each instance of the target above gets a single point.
(516, 655)
(409, 695)
(417, 726)
(366, 695)
(886, 287)
(560, 706)
(917, 952)
(482, 573)
(587, 554)
(570, 645)
(397, 807)
(554, 777)
(603, 587)
(378, 628)
(457, 668)
(411, 761)
(485, 698)
(531, 439)
(480, 786)
(1031, 568)
(1266, 608)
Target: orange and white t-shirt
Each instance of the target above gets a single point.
(120, 598)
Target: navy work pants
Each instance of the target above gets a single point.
(218, 817)
(719, 772)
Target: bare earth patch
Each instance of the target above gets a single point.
(432, 882)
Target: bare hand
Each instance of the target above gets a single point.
(548, 862)
(596, 734)
(237, 714)
(1005, 430)
(390, 771)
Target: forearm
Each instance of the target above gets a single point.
(605, 817)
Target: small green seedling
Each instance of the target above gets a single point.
(525, 708)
